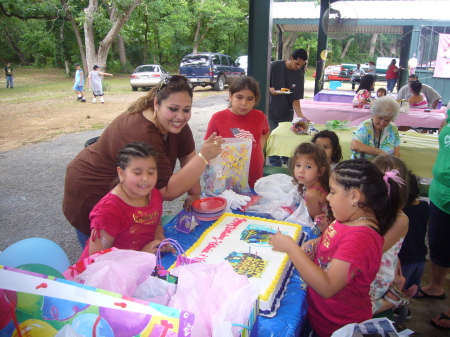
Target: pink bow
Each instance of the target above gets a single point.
(392, 174)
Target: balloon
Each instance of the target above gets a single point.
(41, 269)
(35, 328)
(125, 323)
(35, 250)
(61, 309)
(84, 323)
(8, 302)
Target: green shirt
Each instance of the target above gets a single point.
(440, 186)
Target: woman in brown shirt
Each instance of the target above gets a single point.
(160, 119)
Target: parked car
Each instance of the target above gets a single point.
(242, 61)
(335, 73)
(212, 69)
(147, 76)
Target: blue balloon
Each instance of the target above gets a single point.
(35, 250)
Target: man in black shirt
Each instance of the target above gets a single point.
(286, 74)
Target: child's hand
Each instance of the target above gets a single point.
(281, 242)
(212, 147)
(310, 248)
(322, 222)
(151, 247)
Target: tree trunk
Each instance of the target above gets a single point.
(145, 51)
(77, 33)
(373, 42)
(122, 50)
(14, 46)
(288, 44)
(117, 21)
(344, 52)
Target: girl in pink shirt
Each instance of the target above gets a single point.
(129, 216)
(340, 265)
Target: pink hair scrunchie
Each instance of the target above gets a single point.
(392, 174)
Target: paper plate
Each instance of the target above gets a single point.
(208, 216)
(209, 205)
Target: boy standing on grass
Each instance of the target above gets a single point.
(79, 83)
(94, 80)
(9, 76)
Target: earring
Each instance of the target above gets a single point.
(353, 203)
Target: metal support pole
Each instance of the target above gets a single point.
(260, 47)
(321, 45)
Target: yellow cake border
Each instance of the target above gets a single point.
(271, 287)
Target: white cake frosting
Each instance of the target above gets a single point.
(243, 241)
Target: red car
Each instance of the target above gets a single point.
(335, 73)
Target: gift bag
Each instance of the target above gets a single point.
(40, 305)
(230, 169)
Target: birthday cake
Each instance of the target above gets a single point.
(243, 241)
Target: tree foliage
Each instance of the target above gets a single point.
(53, 33)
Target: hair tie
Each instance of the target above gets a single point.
(392, 174)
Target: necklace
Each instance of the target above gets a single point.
(361, 218)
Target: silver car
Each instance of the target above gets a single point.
(147, 76)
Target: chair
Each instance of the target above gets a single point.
(268, 170)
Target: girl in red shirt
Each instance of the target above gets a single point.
(340, 265)
(129, 216)
(240, 120)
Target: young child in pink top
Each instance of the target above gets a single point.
(129, 217)
(240, 120)
(340, 265)
(311, 173)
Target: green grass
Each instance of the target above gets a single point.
(36, 85)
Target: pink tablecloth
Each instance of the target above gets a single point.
(321, 112)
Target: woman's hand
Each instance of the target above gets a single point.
(211, 147)
(281, 242)
(189, 200)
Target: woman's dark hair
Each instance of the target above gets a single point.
(317, 153)
(172, 85)
(366, 177)
(366, 83)
(135, 150)
(243, 83)
(336, 155)
(413, 189)
(394, 61)
(416, 87)
(390, 162)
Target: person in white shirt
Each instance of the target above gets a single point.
(357, 74)
(433, 97)
(372, 70)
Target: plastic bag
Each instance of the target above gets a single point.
(301, 216)
(278, 187)
(381, 326)
(119, 271)
(209, 290)
(155, 290)
(230, 169)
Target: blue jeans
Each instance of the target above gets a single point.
(391, 84)
(276, 160)
(413, 273)
(9, 81)
(82, 238)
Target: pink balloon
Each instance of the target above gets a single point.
(8, 302)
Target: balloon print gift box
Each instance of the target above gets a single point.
(42, 306)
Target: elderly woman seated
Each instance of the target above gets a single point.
(418, 100)
(377, 135)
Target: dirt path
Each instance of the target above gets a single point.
(29, 115)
